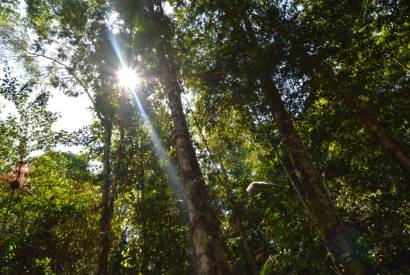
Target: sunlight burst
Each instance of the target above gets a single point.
(128, 77)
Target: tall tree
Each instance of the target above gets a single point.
(224, 180)
(206, 239)
(313, 191)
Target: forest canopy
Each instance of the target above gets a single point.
(204, 137)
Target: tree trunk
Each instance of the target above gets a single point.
(238, 221)
(313, 191)
(314, 194)
(106, 204)
(205, 235)
(386, 138)
(235, 207)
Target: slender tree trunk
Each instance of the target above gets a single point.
(235, 207)
(329, 263)
(208, 245)
(314, 194)
(106, 204)
(238, 221)
(386, 138)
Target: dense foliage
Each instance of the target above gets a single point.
(262, 137)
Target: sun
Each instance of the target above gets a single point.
(128, 77)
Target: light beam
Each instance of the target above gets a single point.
(125, 74)
(128, 77)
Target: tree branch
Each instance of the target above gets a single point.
(70, 70)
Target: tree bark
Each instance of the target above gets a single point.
(106, 204)
(204, 228)
(207, 243)
(204, 231)
(313, 192)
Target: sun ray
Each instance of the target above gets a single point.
(128, 77)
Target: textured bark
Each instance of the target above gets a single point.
(205, 235)
(386, 138)
(313, 192)
(106, 204)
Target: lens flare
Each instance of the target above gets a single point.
(128, 77)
